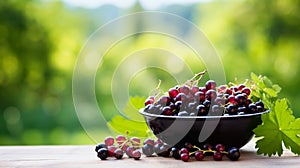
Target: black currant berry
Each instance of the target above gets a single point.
(217, 156)
(102, 153)
(118, 153)
(202, 111)
(252, 108)
(164, 151)
(175, 153)
(211, 85)
(148, 149)
(233, 153)
(231, 109)
(99, 146)
(199, 155)
(261, 104)
(185, 157)
(129, 151)
(136, 155)
(157, 148)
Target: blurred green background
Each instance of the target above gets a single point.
(40, 41)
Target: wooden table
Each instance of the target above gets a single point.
(84, 156)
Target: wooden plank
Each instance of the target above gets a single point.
(84, 156)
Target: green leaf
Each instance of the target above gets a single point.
(270, 92)
(132, 107)
(277, 88)
(138, 102)
(133, 122)
(254, 77)
(120, 124)
(278, 126)
(267, 82)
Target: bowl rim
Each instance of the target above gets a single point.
(141, 111)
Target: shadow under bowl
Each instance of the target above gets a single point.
(231, 131)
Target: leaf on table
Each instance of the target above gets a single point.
(121, 125)
(133, 122)
(132, 108)
(278, 126)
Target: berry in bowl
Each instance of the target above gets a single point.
(211, 114)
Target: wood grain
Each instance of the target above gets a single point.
(84, 156)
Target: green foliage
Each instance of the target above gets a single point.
(132, 108)
(278, 126)
(134, 123)
(265, 90)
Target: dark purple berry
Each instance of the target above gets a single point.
(185, 157)
(102, 153)
(184, 89)
(148, 150)
(199, 155)
(201, 110)
(118, 154)
(231, 109)
(211, 85)
(260, 103)
(218, 156)
(183, 150)
(211, 94)
(149, 141)
(175, 153)
(233, 153)
(136, 155)
(252, 108)
(220, 147)
(99, 146)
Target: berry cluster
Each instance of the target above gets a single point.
(188, 150)
(199, 154)
(131, 146)
(123, 145)
(191, 100)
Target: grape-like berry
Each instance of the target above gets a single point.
(111, 150)
(185, 157)
(109, 141)
(233, 153)
(199, 155)
(99, 146)
(175, 153)
(148, 149)
(218, 156)
(129, 151)
(136, 155)
(120, 139)
(102, 153)
(118, 154)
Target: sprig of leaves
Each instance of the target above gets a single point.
(264, 89)
(279, 126)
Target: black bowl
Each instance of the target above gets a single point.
(231, 131)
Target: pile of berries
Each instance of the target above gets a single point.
(123, 145)
(189, 150)
(191, 100)
(132, 147)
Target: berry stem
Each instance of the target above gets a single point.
(193, 81)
